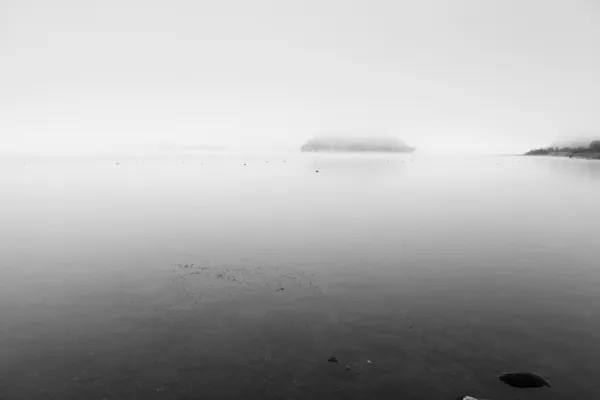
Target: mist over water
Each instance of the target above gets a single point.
(238, 276)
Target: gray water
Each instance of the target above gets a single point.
(426, 276)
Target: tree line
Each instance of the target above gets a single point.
(594, 147)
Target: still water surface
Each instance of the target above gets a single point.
(219, 276)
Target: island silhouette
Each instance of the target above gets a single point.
(356, 144)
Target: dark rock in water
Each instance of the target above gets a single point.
(333, 360)
(523, 380)
(467, 398)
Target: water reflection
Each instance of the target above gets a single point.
(239, 278)
(587, 169)
(350, 166)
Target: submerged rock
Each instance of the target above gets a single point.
(468, 398)
(523, 380)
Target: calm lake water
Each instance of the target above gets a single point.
(219, 276)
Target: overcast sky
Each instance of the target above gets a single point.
(444, 75)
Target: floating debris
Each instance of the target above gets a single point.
(317, 171)
(523, 380)
(333, 359)
(192, 266)
(347, 368)
(199, 280)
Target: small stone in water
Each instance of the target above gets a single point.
(523, 380)
(467, 398)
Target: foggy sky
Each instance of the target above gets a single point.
(445, 76)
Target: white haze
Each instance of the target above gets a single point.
(465, 76)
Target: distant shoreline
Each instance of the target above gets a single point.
(590, 151)
(584, 156)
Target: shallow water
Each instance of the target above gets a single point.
(426, 276)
